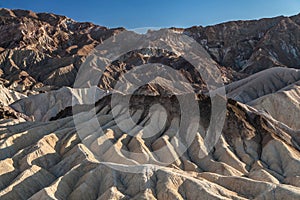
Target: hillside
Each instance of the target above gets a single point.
(211, 113)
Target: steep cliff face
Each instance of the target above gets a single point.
(165, 140)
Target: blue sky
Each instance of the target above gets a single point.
(159, 13)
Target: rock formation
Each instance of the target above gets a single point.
(61, 141)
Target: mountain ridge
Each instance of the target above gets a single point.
(169, 139)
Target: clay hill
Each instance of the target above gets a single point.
(100, 141)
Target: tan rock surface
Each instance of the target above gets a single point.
(61, 143)
(53, 152)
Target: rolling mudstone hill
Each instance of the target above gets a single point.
(44, 156)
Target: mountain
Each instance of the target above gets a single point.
(217, 120)
(43, 50)
(252, 46)
(55, 46)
